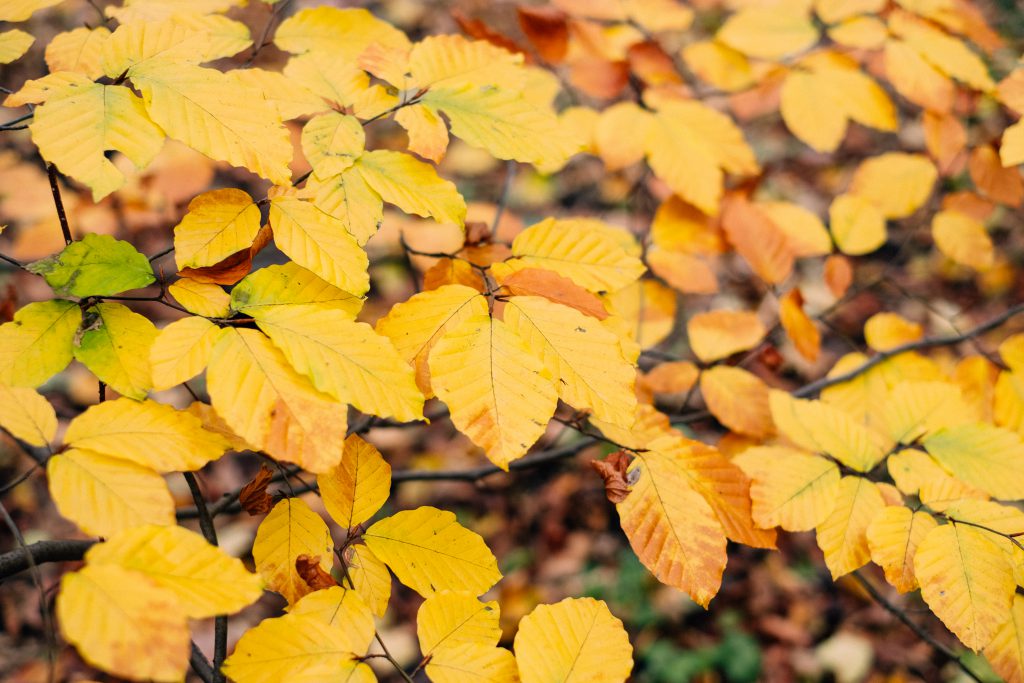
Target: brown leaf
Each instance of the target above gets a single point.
(561, 290)
(998, 183)
(8, 303)
(234, 267)
(757, 239)
(547, 29)
(598, 77)
(253, 497)
(308, 567)
(613, 470)
(474, 28)
(477, 232)
(652, 64)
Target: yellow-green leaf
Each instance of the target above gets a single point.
(27, 415)
(332, 142)
(105, 495)
(115, 346)
(289, 530)
(789, 488)
(96, 265)
(429, 552)
(290, 286)
(572, 641)
(989, 458)
(842, 536)
(37, 344)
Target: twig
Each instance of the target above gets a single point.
(161, 254)
(14, 482)
(18, 560)
(13, 123)
(200, 664)
(265, 35)
(394, 662)
(220, 623)
(877, 596)
(14, 262)
(51, 171)
(37, 579)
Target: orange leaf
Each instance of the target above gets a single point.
(547, 29)
(799, 327)
(551, 285)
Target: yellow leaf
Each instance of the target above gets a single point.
(111, 614)
(963, 239)
(967, 581)
(115, 346)
(77, 50)
(267, 403)
(289, 530)
(290, 99)
(412, 185)
(447, 620)
(1011, 151)
(864, 32)
(13, 44)
(893, 538)
(499, 394)
(473, 663)
(358, 486)
(719, 334)
(343, 609)
(181, 351)
(896, 183)
(104, 495)
(842, 535)
(805, 233)
(823, 428)
(332, 142)
(27, 415)
(948, 54)
(857, 226)
(429, 552)
(319, 242)
(688, 274)
(672, 529)
(218, 224)
(989, 458)
(151, 10)
(340, 84)
(223, 37)
(768, 32)
(583, 357)
(148, 433)
(1008, 405)
(917, 474)
(1002, 523)
(620, 134)
(789, 488)
(1005, 652)
(504, 123)
(719, 65)
(204, 579)
(428, 134)
(579, 250)
(370, 577)
(389, 64)
(643, 314)
(346, 360)
(170, 40)
(417, 324)
(201, 298)
(341, 33)
(293, 287)
(350, 199)
(738, 399)
(722, 484)
(20, 10)
(919, 409)
(575, 640)
(76, 130)
(886, 331)
(296, 647)
(200, 107)
(831, 11)
(812, 110)
(916, 79)
(453, 61)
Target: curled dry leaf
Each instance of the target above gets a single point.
(253, 497)
(613, 470)
(308, 567)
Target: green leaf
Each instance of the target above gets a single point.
(97, 265)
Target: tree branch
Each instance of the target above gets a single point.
(220, 622)
(892, 609)
(41, 552)
(51, 171)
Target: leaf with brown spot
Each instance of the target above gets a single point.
(449, 271)
(234, 267)
(613, 470)
(308, 567)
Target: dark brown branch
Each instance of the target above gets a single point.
(220, 623)
(16, 561)
(201, 665)
(51, 171)
(892, 609)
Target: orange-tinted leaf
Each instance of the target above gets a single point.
(551, 285)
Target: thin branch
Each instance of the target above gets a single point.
(13, 123)
(14, 482)
(394, 662)
(161, 254)
(220, 623)
(265, 35)
(51, 171)
(200, 664)
(14, 262)
(877, 596)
